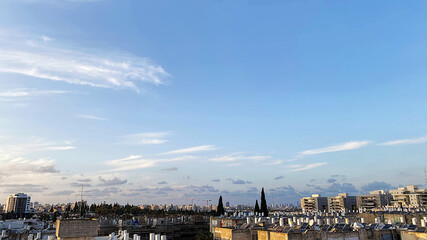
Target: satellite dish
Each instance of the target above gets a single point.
(311, 222)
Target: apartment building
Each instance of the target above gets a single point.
(314, 203)
(342, 202)
(18, 203)
(374, 199)
(409, 196)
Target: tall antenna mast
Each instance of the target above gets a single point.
(425, 175)
(81, 202)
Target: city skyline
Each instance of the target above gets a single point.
(157, 102)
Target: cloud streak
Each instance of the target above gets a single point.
(147, 138)
(91, 117)
(76, 66)
(192, 149)
(405, 141)
(298, 168)
(135, 162)
(26, 93)
(335, 148)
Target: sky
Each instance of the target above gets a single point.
(162, 101)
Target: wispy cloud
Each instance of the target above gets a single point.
(336, 148)
(135, 162)
(192, 149)
(235, 157)
(405, 141)
(95, 68)
(11, 146)
(16, 156)
(91, 117)
(297, 168)
(224, 159)
(46, 38)
(19, 93)
(147, 138)
(19, 165)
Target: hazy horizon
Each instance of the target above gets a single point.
(160, 101)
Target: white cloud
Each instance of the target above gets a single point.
(25, 92)
(405, 141)
(46, 38)
(235, 157)
(19, 165)
(336, 148)
(192, 149)
(15, 156)
(134, 162)
(91, 117)
(76, 66)
(147, 138)
(224, 159)
(21, 147)
(297, 168)
(58, 148)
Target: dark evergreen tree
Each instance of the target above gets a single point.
(220, 209)
(263, 203)
(256, 210)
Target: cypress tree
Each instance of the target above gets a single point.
(256, 210)
(263, 203)
(220, 210)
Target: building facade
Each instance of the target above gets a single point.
(342, 202)
(374, 199)
(18, 203)
(409, 196)
(314, 203)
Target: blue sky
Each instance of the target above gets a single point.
(160, 101)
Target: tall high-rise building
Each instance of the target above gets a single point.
(18, 203)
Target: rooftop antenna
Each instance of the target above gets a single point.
(81, 201)
(192, 200)
(272, 199)
(425, 175)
